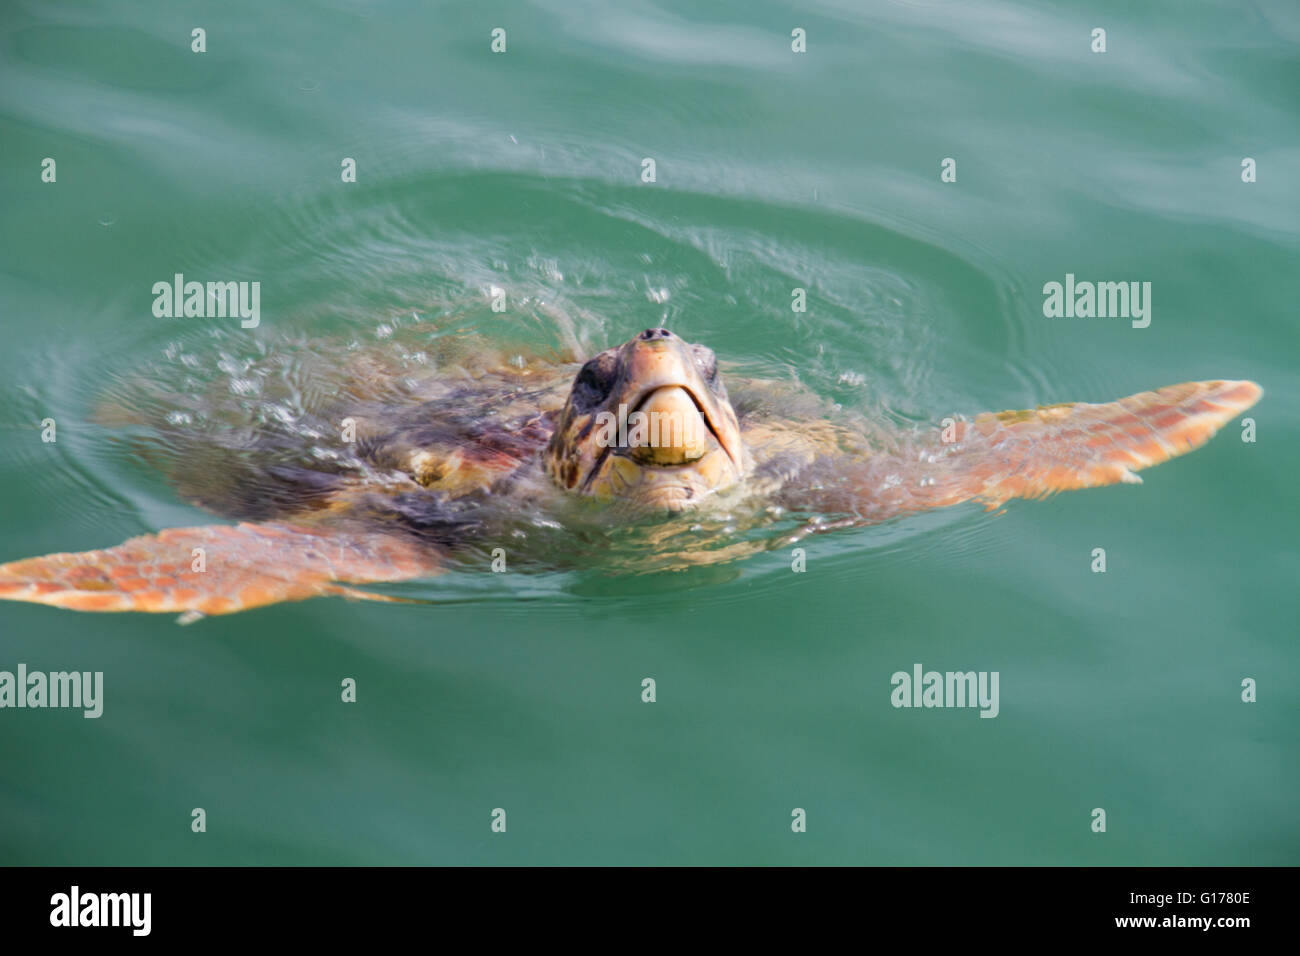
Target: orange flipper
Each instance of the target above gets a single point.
(1035, 453)
(215, 569)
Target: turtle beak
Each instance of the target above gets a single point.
(681, 431)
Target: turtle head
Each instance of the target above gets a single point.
(648, 422)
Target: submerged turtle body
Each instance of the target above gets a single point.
(644, 435)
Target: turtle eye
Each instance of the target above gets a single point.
(592, 384)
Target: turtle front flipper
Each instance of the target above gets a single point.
(1033, 453)
(217, 569)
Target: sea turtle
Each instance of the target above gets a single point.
(486, 453)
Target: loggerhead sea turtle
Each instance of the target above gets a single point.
(478, 458)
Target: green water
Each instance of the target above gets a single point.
(775, 170)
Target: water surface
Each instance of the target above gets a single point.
(775, 170)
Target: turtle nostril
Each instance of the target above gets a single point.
(650, 334)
